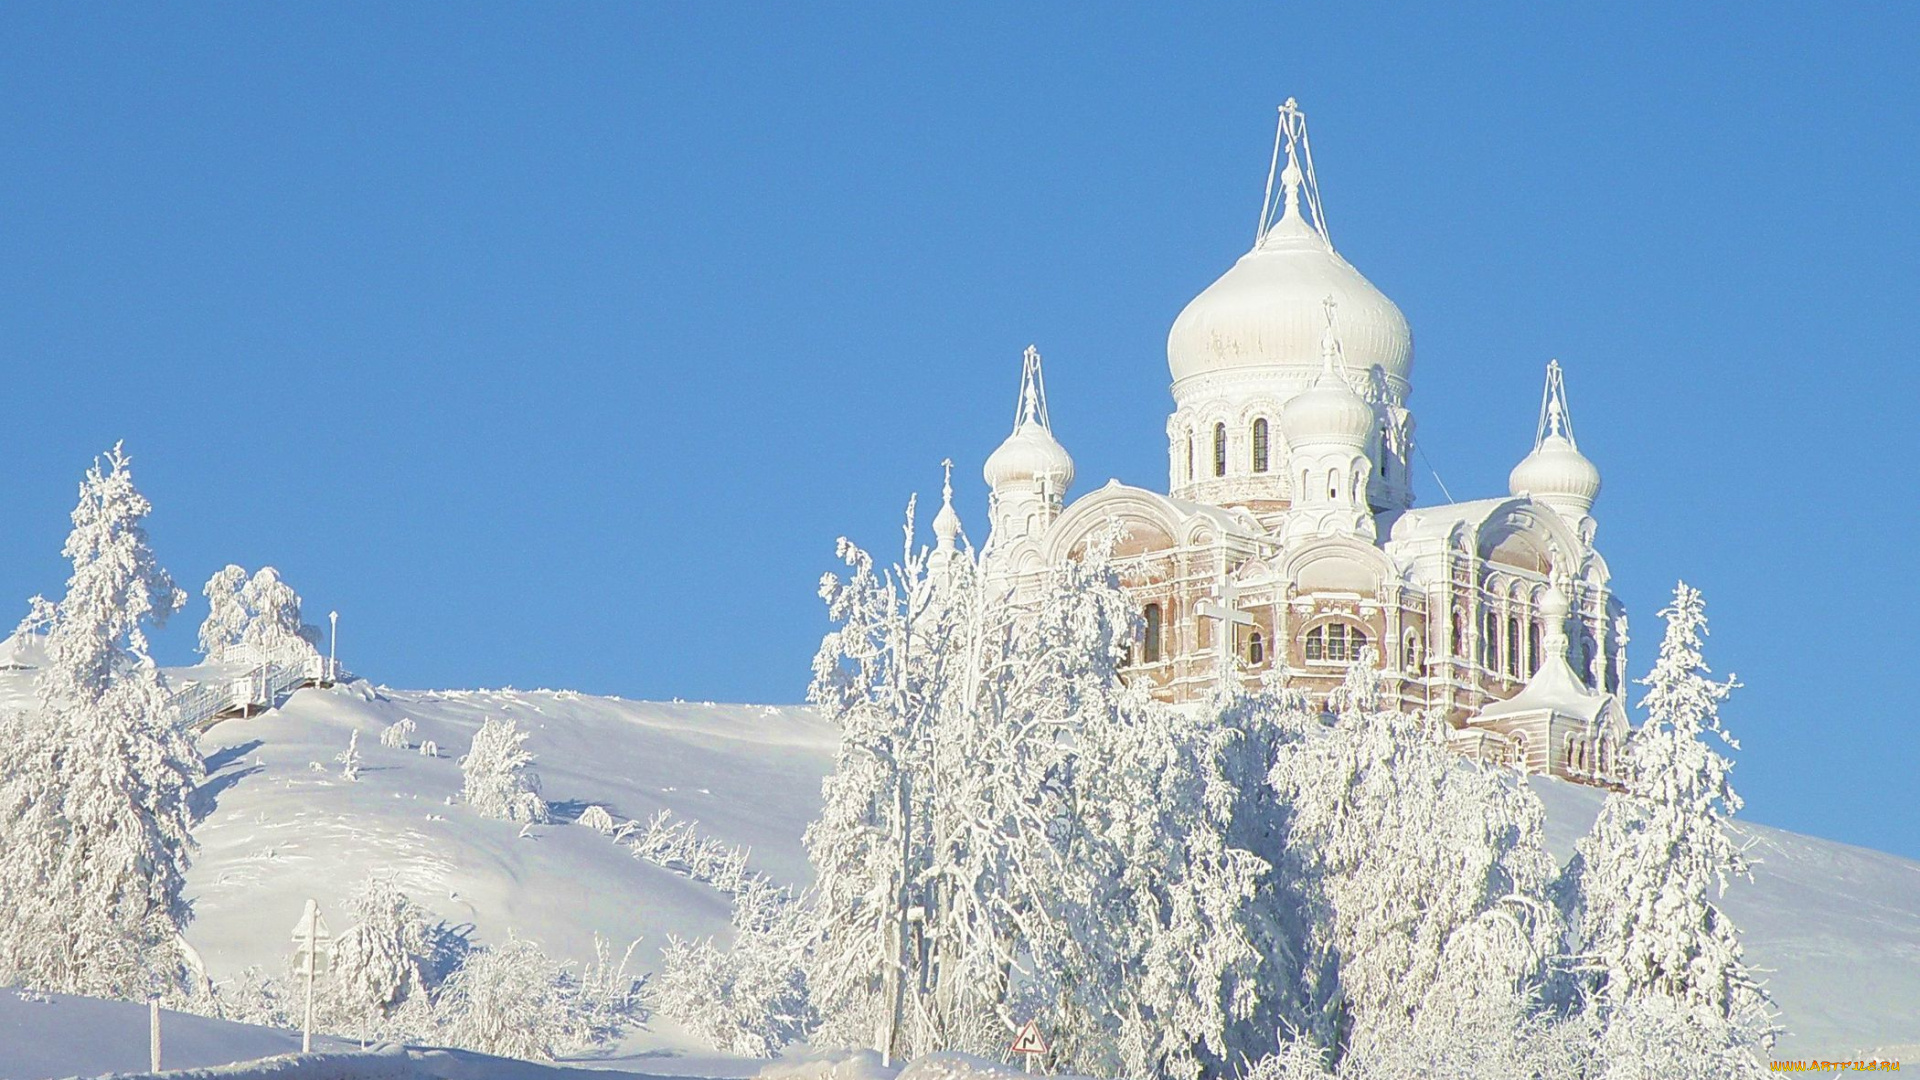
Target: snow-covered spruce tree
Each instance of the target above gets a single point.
(498, 780)
(1645, 881)
(1430, 873)
(227, 613)
(94, 786)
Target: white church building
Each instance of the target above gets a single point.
(1289, 533)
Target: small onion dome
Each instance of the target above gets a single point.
(1558, 474)
(1329, 413)
(1264, 312)
(1030, 455)
(946, 523)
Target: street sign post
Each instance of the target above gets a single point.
(310, 942)
(1030, 1043)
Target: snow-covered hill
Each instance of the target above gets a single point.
(1838, 926)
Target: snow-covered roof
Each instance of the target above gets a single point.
(1553, 689)
(1438, 522)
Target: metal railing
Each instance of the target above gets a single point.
(261, 687)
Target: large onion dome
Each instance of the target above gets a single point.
(1264, 312)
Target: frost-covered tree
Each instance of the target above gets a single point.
(499, 780)
(1010, 827)
(399, 734)
(227, 613)
(94, 786)
(1662, 1038)
(40, 615)
(380, 962)
(749, 999)
(349, 758)
(1431, 874)
(1647, 879)
(511, 999)
(274, 626)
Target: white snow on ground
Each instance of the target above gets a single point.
(53, 1035)
(1833, 928)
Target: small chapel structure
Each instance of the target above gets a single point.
(1289, 534)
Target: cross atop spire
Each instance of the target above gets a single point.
(1033, 393)
(1296, 179)
(1554, 417)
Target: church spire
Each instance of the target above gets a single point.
(1298, 184)
(1555, 420)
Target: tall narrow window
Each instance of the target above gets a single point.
(1219, 449)
(1256, 648)
(1189, 457)
(1150, 646)
(1459, 633)
(1260, 445)
(1513, 646)
(1533, 647)
(1410, 656)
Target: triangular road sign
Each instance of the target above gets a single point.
(1029, 1040)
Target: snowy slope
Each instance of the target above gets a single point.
(275, 830)
(1838, 926)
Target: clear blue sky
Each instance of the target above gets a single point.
(554, 344)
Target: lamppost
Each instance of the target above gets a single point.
(333, 646)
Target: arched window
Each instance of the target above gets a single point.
(1333, 484)
(1459, 633)
(1513, 646)
(1410, 653)
(1219, 449)
(1335, 642)
(1256, 648)
(1490, 641)
(1533, 648)
(1150, 641)
(1189, 457)
(1260, 445)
